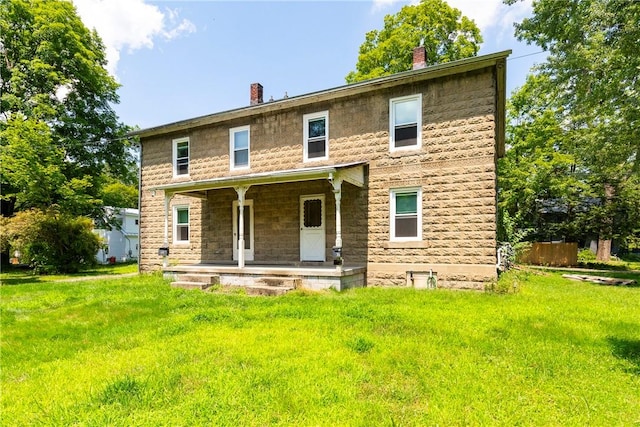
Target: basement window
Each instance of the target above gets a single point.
(405, 123)
(406, 214)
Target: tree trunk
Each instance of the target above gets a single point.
(604, 245)
(604, 250)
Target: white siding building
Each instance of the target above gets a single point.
(121, 243)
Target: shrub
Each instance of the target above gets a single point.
(508, 283)
(586, 256)
(50, 242)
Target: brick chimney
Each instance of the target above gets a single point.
(256, 94)
(419, 57)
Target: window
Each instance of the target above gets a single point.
(181, 224)
(181, 157)
(406, 214)
(405, 122)
(316, 136)
(239, 147)
(313, 213)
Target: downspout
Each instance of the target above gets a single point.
(167, 200)
(139, 250)
(128, 244)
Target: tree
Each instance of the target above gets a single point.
(50, 242)
(591, 77)
(441, 29)
(541, 184)
(56, 105)
(120, 195)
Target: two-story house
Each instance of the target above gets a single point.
(120, 242)
(391, 181)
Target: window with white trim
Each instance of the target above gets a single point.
(180, 224)
(406, 214)
(239, 147)
(405, 123)
(316, 136)
(181, 157)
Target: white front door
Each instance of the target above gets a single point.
(248, 229)
(312, 228)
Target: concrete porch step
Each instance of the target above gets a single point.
(195, 281)
(267, 290)
(209, 279)
(189, 285)
(277, 281)
(265, 285)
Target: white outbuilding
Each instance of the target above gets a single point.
(121, 242)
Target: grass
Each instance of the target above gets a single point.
(127, 352)
(15, 275)
(586, 259)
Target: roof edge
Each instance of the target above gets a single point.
(427, 73)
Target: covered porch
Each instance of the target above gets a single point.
(282, 227)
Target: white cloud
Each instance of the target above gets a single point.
(130, 24)
(379, 5)
(487, 14)
(493, 14)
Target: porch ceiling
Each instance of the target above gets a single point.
(352, 173)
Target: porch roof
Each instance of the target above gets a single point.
(352, 173)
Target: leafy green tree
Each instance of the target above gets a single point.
(51, 242)
(542, 185)
(120, 195)
(30, 162)
(591, 86)
(57, 96)
(441, 29)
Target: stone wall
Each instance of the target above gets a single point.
(455, 167)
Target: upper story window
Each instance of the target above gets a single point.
(181, 157)
(316, 136)
(405, 122)
(239, 146)
(406, 214)
(181, 224)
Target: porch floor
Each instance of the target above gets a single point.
(315, 277)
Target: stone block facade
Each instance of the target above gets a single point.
(455, 168)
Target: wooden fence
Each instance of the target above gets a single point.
(552, 254)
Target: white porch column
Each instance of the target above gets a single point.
(337, 193)
(241, 193)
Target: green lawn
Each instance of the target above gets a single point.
(127, 352)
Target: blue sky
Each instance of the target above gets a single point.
(181, 59)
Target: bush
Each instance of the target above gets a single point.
(50, 242)
(508, 282)
(586, 256)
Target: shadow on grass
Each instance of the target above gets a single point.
(25, 280)
(628, 350)
(592, 265)
(12, 276)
